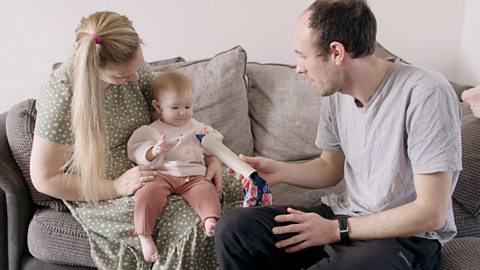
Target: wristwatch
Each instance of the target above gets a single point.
(343, 229)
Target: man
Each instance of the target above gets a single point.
(392, 131)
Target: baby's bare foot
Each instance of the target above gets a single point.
(149, 249)
(210, 226)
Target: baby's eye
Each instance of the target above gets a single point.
(174, 108)
(188, 107)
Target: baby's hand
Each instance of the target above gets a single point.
(161, 147)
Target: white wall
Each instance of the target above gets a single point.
(469, 60)
(426, 33)
(36, 34)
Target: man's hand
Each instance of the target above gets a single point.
(310, 230)
(268, 169)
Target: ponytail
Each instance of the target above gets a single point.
(103, 37)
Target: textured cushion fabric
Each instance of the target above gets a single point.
(220, 97)
(461, 254)
(155, 65)
(284, 111)
(467, 191)
(19, 126)
(467, 224)
(54, 235)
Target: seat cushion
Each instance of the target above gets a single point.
(56, 237)
(467, 224)
(461, 254)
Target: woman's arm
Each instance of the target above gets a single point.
(46, 164)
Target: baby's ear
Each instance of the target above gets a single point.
(156, 105)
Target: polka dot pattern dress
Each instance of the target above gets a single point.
(181, 240)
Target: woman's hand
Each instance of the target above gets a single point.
(133, 179)
(268, 169)
(214, 172)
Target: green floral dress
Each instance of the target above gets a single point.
(181, 240)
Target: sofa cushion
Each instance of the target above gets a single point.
(220, 97)
(20, 124)
(467, 225)
(284, 111)
(160, 63)
(461, 254)
(54, 235)
(467, 191)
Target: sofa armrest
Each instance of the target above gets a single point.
(17, 205)
(3, 231)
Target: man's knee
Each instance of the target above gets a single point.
(232, 221)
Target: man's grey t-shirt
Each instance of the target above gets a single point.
(411, 125)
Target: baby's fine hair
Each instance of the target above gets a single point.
(171, 81)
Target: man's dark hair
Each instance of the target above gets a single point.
(350, 22)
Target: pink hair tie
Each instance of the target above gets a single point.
(96, 37)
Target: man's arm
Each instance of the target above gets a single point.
(427, 212)
(322, 172)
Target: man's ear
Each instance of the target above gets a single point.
(337, 51)
(156, 105)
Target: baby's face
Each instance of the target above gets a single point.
(472, 98)
(176, 110)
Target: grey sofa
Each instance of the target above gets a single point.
(262, 109)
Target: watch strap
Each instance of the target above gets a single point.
(343, 229)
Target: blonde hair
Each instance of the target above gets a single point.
(101, 38)
(171, 81)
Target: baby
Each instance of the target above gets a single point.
(170, 146)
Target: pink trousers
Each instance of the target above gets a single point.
(150, 199)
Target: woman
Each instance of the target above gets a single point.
(85, 115)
